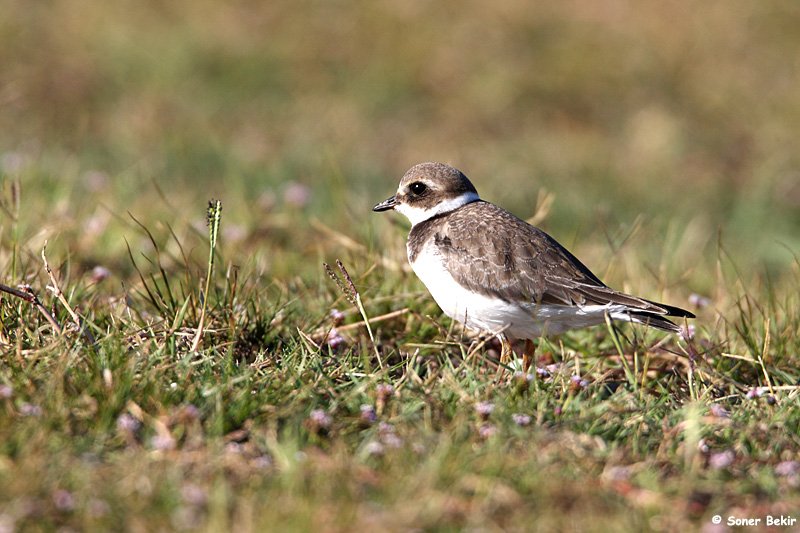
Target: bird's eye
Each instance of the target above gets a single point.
(418, 188)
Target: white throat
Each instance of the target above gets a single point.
(416, 214)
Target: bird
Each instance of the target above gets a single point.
(495, 273)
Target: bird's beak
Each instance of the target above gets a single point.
(387, 204)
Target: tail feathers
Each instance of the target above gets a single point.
(627, 307)
(656, 322)
(602, 295)
(651, 320)
(673, 311)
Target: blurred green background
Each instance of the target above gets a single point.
(681, 118)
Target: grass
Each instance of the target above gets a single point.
(658, 143)
(285, 417)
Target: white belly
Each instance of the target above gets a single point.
(522, 320)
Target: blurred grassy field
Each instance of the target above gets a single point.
(659, 142)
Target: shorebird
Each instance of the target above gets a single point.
(496, 273)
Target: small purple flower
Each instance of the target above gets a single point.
(721, 460)
(99, 273)
(191, 411)
(702, 445)
(617, 473)
(484, 409)
(335, 339)
(521, 419)
(262, 461)
(718, 411)
(368, 413)
(163, 442)
(392, 440)
(296, 194)
(543, 372)
(6, 391)
(127, 423)
(557, 410)
(787, 468)
(755, 392)
(29, 409)
(523, 380)
(699, 301)
(338, 316)
(686, 333)
(320, 418)
(234, 448)
(384, 391)
(385, 427)
(374, 448)
(63, 500)
(579, 381)
(487, 430)
(193, 495)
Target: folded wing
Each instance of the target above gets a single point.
(522, 263)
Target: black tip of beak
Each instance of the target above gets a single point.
(385, 205)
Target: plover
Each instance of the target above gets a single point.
(496, 273)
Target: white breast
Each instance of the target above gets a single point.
(523, 320)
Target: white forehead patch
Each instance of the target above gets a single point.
(417, 214)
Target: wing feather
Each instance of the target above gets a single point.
(490, 251)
